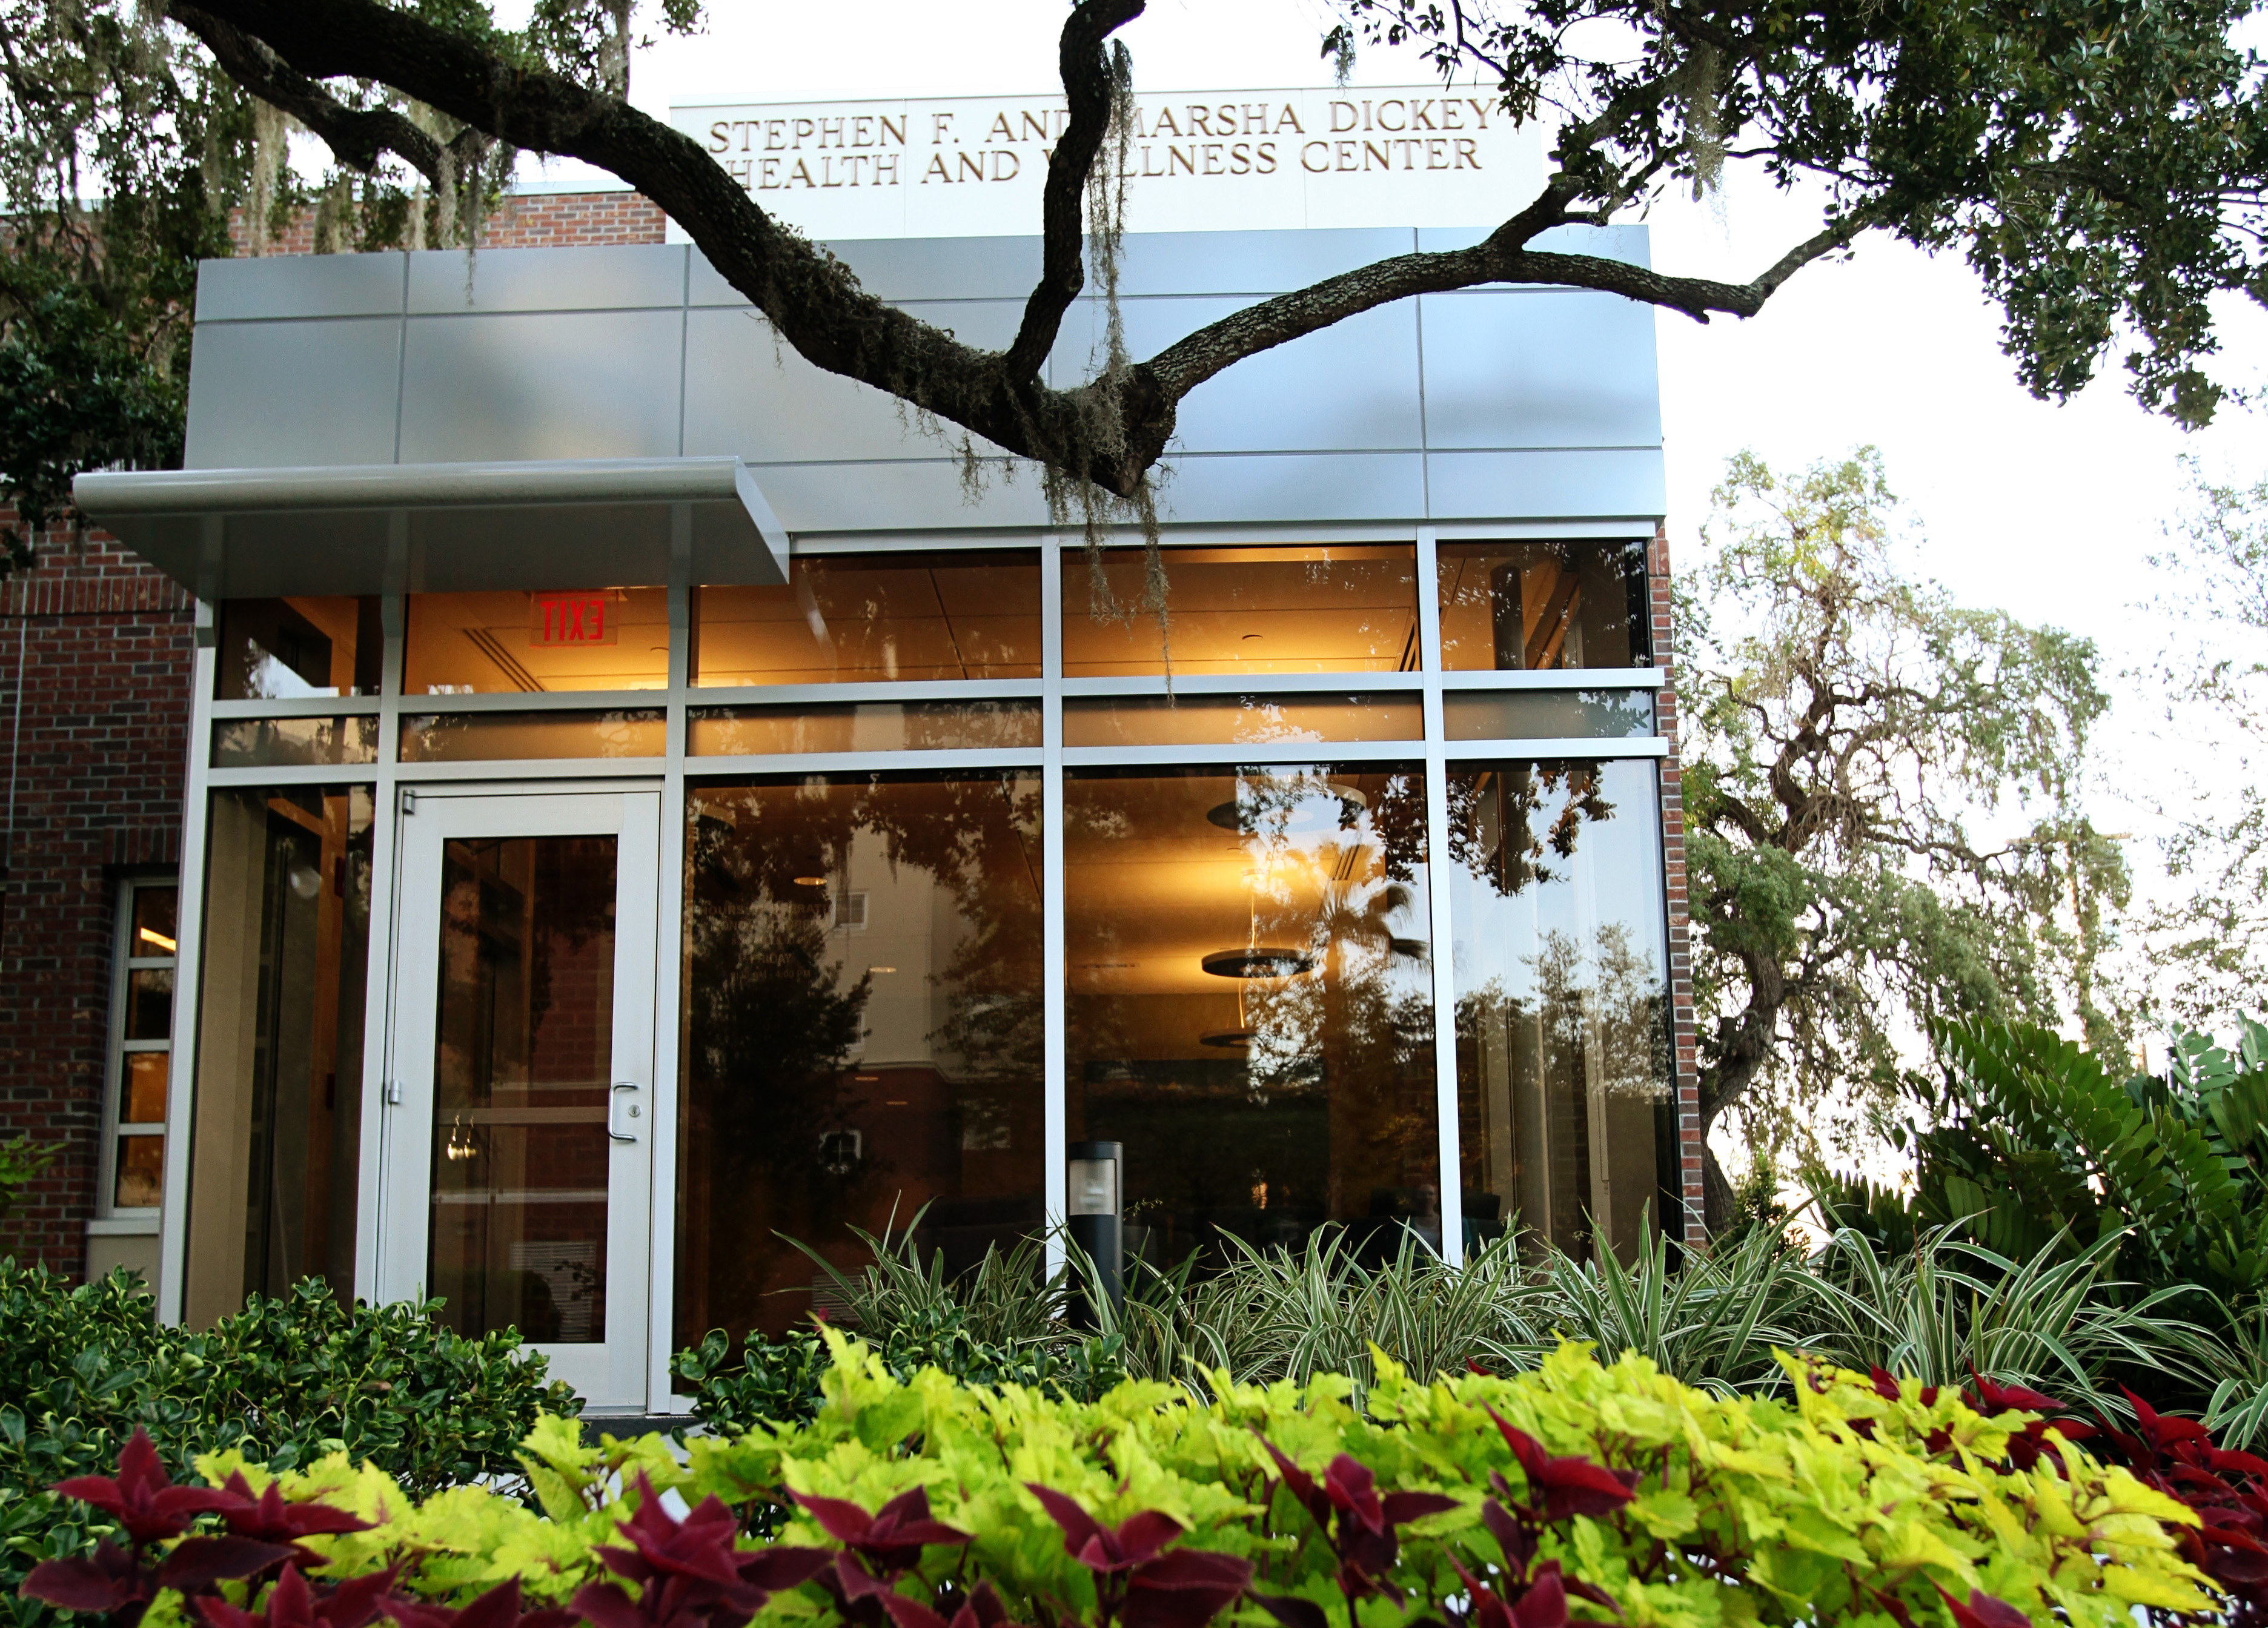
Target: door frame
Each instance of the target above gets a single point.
(612, 1375)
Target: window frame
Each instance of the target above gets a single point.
(123, 964)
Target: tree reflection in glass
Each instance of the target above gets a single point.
(863, 1030)
(1567, 1117)
(1249, 1000)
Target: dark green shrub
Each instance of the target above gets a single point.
(281, 1382)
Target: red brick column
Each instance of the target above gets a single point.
(95, 650)
(1673, 855)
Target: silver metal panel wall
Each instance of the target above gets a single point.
(745, 388)
(622, 277)
(1539, 367)
(1493, 405)
(601, 384)
(271, 395)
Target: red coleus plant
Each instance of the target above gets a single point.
(689, 1573)
(294, 1603)
(2228, 1489)
(877, 1550)
(2025, 1449)
(1560, 1487)
(498, 1608)
(1137, 1582)
(264, 1535)
(1360, 1524)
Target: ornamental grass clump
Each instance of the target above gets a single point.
(1576, 1492)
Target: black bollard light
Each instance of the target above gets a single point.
(1093, 1176)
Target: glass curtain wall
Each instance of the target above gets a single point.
(1251, 919)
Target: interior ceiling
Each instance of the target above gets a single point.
(1153, 886)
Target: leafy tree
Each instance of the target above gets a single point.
(2207, 947)
(2099, 163)
(1851, 733)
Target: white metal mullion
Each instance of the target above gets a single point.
(1555, 679)
(542, 701)
(294, 774)
(299, 706)
(669, 979)
(1054, 960)
(1350, 682)
(857, 762)
(1557, 748)
(1437, 888)
(376, 1155)
(1233, 754)
(795, 695)
(188, 941)
(114, 1078)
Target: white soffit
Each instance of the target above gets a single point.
(372, 529)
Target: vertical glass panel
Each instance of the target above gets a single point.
(142, 1100)
(522, 1070)
(863, 618)
(153, 920)
(280, 1038)
(1511, 607)
(150, 1003)
(1276, 609)
(863, 1031)
(273, 650)
(1249, 1001)
(507, 642)
(1566, 1115)
(140, 1184)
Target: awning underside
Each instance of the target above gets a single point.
(237, 533)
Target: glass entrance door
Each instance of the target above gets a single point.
(517, 1165)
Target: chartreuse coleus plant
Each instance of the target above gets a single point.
(1611, 1494)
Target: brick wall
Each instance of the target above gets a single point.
(94, 655)
(1673, 854)
(529, 220)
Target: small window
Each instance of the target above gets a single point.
(1533, 607)
(141, 1047)
(534, 643)
(875, 618)
(1267, 608)
(280, 650)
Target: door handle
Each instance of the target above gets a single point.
(621, 1112)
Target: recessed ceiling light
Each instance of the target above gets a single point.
(881, 968)
(811, 882)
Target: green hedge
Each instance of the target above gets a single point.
(282, 1383)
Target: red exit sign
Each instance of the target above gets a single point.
(571, 619)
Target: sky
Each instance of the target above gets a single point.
(2044, 510)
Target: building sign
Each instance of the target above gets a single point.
(568, 619)
(1214, 160)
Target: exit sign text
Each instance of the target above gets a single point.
(569, 619)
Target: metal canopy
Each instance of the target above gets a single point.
(373, 528)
